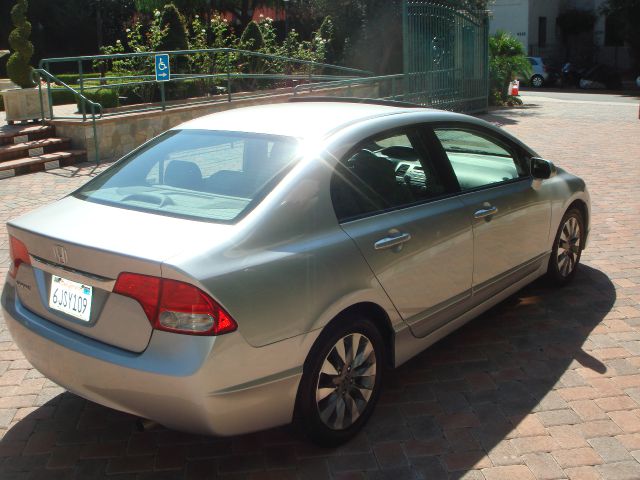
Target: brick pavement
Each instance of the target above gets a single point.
(544, 386)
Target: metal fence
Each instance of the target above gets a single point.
(446, 61)
(445, 66)
(385, 87)
(229, 74)
(224, 74)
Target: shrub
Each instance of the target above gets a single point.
(176, 31)
(327, 32)
(107, 97)
(18, 67)
(507, 59)
(251, 38)
(68, 78)
(61, 96)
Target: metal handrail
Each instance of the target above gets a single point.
(38, 73)
(350, 82)
(121, 56)
(95, 110)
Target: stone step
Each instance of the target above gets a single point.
(47, 161)
(33, 148)
(17, 134)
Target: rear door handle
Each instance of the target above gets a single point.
(485, 212)
(389, 242)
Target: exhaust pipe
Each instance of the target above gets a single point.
(144, 424)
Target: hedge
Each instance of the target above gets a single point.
(107, 97)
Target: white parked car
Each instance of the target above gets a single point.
(540, 72)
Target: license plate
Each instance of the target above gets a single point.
(72, 298)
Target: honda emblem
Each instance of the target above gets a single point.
(60, 254)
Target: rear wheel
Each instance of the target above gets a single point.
(537, 81)
(341, 382)
(567, 248)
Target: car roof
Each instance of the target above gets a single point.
(299, 119)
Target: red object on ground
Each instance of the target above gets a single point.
(515, 88)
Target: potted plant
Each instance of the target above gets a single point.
(21, 103)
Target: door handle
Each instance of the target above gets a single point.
(389, 242)
(485, 212)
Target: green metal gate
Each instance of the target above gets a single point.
(446, 62)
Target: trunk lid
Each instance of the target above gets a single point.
(88, 245)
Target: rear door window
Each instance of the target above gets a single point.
(382, 173)
(209, 175)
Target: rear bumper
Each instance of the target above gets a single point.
(211, 385)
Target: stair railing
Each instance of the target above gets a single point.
(38, 74)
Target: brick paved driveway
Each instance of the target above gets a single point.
(544, 386)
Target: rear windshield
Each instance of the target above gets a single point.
(201, 174)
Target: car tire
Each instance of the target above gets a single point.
(328, 393)
(537, 81)
(567, 248)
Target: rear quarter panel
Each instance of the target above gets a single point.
(288, 268)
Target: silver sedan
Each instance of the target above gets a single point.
(267, 264)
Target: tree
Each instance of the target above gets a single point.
(18, 67)
(243, 9)
(187, 7)
(327, 33)
(627, 12)
(175, 37)
(251, 38)
(507, 59)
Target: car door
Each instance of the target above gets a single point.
(414, 234)
(511, 218)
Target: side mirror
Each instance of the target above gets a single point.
(542, 169)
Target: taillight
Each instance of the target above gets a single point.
(143, 288)
(175, 306)
(19, 254)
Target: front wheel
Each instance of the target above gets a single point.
(341, 382)
(567, 248)
(537, 81)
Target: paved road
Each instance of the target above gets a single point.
(632, 97)
(544, 386)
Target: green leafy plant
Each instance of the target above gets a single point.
(251, 38)
(106, 97)
(18, 66)
(507, 60)
(175, 37)
(327, 33)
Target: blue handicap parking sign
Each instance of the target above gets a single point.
(163, 74)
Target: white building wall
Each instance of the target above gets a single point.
(511, 16)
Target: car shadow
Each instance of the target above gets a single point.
(443, 413)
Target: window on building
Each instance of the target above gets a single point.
(542, 32)
(613, 31)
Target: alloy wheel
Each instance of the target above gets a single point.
(346, 381)
(569, 247)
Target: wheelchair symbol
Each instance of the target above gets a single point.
(162, 68)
